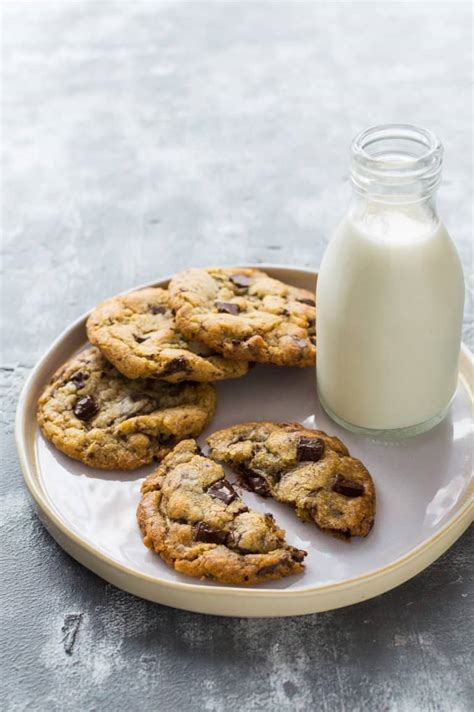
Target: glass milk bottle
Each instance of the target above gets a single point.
(390, 292)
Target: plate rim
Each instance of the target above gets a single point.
(219, 599)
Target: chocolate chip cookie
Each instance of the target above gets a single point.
(194, 519)
(307, 469)
(92, 413)
(245, 314)
(137, 333)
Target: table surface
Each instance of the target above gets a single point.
(142, 138)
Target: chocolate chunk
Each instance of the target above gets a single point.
(166, 439)
(176, 365)
(211, 536)
(157, 310)
(227, 308)
(310, 449)
(79, 378)
(257, 484)
(313, 340)
(240, 280)
(309, 302)
(311, 323)
(242, 510)
(347, 487)
(140, 339)
(298, 554)
(85, 408)
(223, 490)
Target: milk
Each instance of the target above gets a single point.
(390, 298)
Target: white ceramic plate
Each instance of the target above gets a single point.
(424, 497)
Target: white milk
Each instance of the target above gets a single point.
(390, 300)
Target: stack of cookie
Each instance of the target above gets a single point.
(147, 384)
(143, 391)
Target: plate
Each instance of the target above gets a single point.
(424, 496)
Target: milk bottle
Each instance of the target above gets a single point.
(390, 292)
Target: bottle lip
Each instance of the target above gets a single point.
(396, 161)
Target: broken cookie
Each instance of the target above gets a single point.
(194, 519)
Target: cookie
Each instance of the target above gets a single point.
(244, 314)
(306, 469)
(194, 519)
(137, 333)
(92, 413)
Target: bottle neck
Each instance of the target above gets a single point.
(396, 165)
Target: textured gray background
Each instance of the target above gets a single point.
(141, 138)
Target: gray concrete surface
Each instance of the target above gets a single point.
(141, 138)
